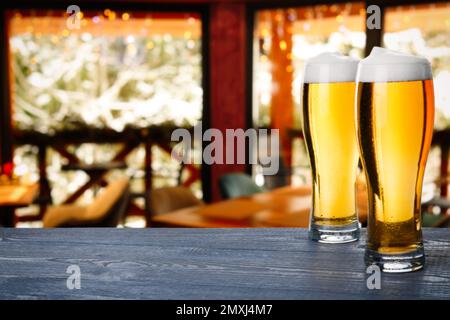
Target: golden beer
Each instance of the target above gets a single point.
(329, 131)
(394, 127)
(331, 142)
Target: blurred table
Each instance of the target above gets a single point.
(171, 264)
(283, 207)
(13, 196)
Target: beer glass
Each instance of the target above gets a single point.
(329, 130)
(395, 115)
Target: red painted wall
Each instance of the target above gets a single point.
(227, 77)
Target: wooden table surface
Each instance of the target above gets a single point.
(259, 263)
(283, 207)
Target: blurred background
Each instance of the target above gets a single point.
(82, 107)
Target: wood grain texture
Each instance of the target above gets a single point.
(205, 264)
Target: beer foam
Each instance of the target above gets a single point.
(330, 67)
(383, 65)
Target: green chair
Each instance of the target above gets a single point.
(235, 185)
(432, 220)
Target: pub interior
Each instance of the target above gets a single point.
(91, 97)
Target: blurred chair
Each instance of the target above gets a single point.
(433, 220)
(281, 178)
(235, 185)
(167, 199)
(107, 210)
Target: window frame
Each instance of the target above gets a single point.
(374, 37)
(6, 126)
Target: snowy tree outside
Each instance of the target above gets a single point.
(117, 71)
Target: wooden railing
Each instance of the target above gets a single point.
(130, 139)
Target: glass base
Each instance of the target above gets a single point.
(334, 234)
(396, 263)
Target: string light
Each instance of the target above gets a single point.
(191, 44)
(292, 15)
(54, 39)
(130, 39)
(309, 14)
(147, 22)
(125, 16)
(278, 16)
(112, 15)
(283, 45)
(191, 20)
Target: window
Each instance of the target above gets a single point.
(118, 70)
(283, 40)
(425, 30)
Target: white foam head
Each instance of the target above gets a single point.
(330, 67)
(383, 65)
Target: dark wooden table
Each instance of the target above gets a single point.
(205, 264)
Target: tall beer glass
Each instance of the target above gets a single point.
(395, 115)
(328, 126)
